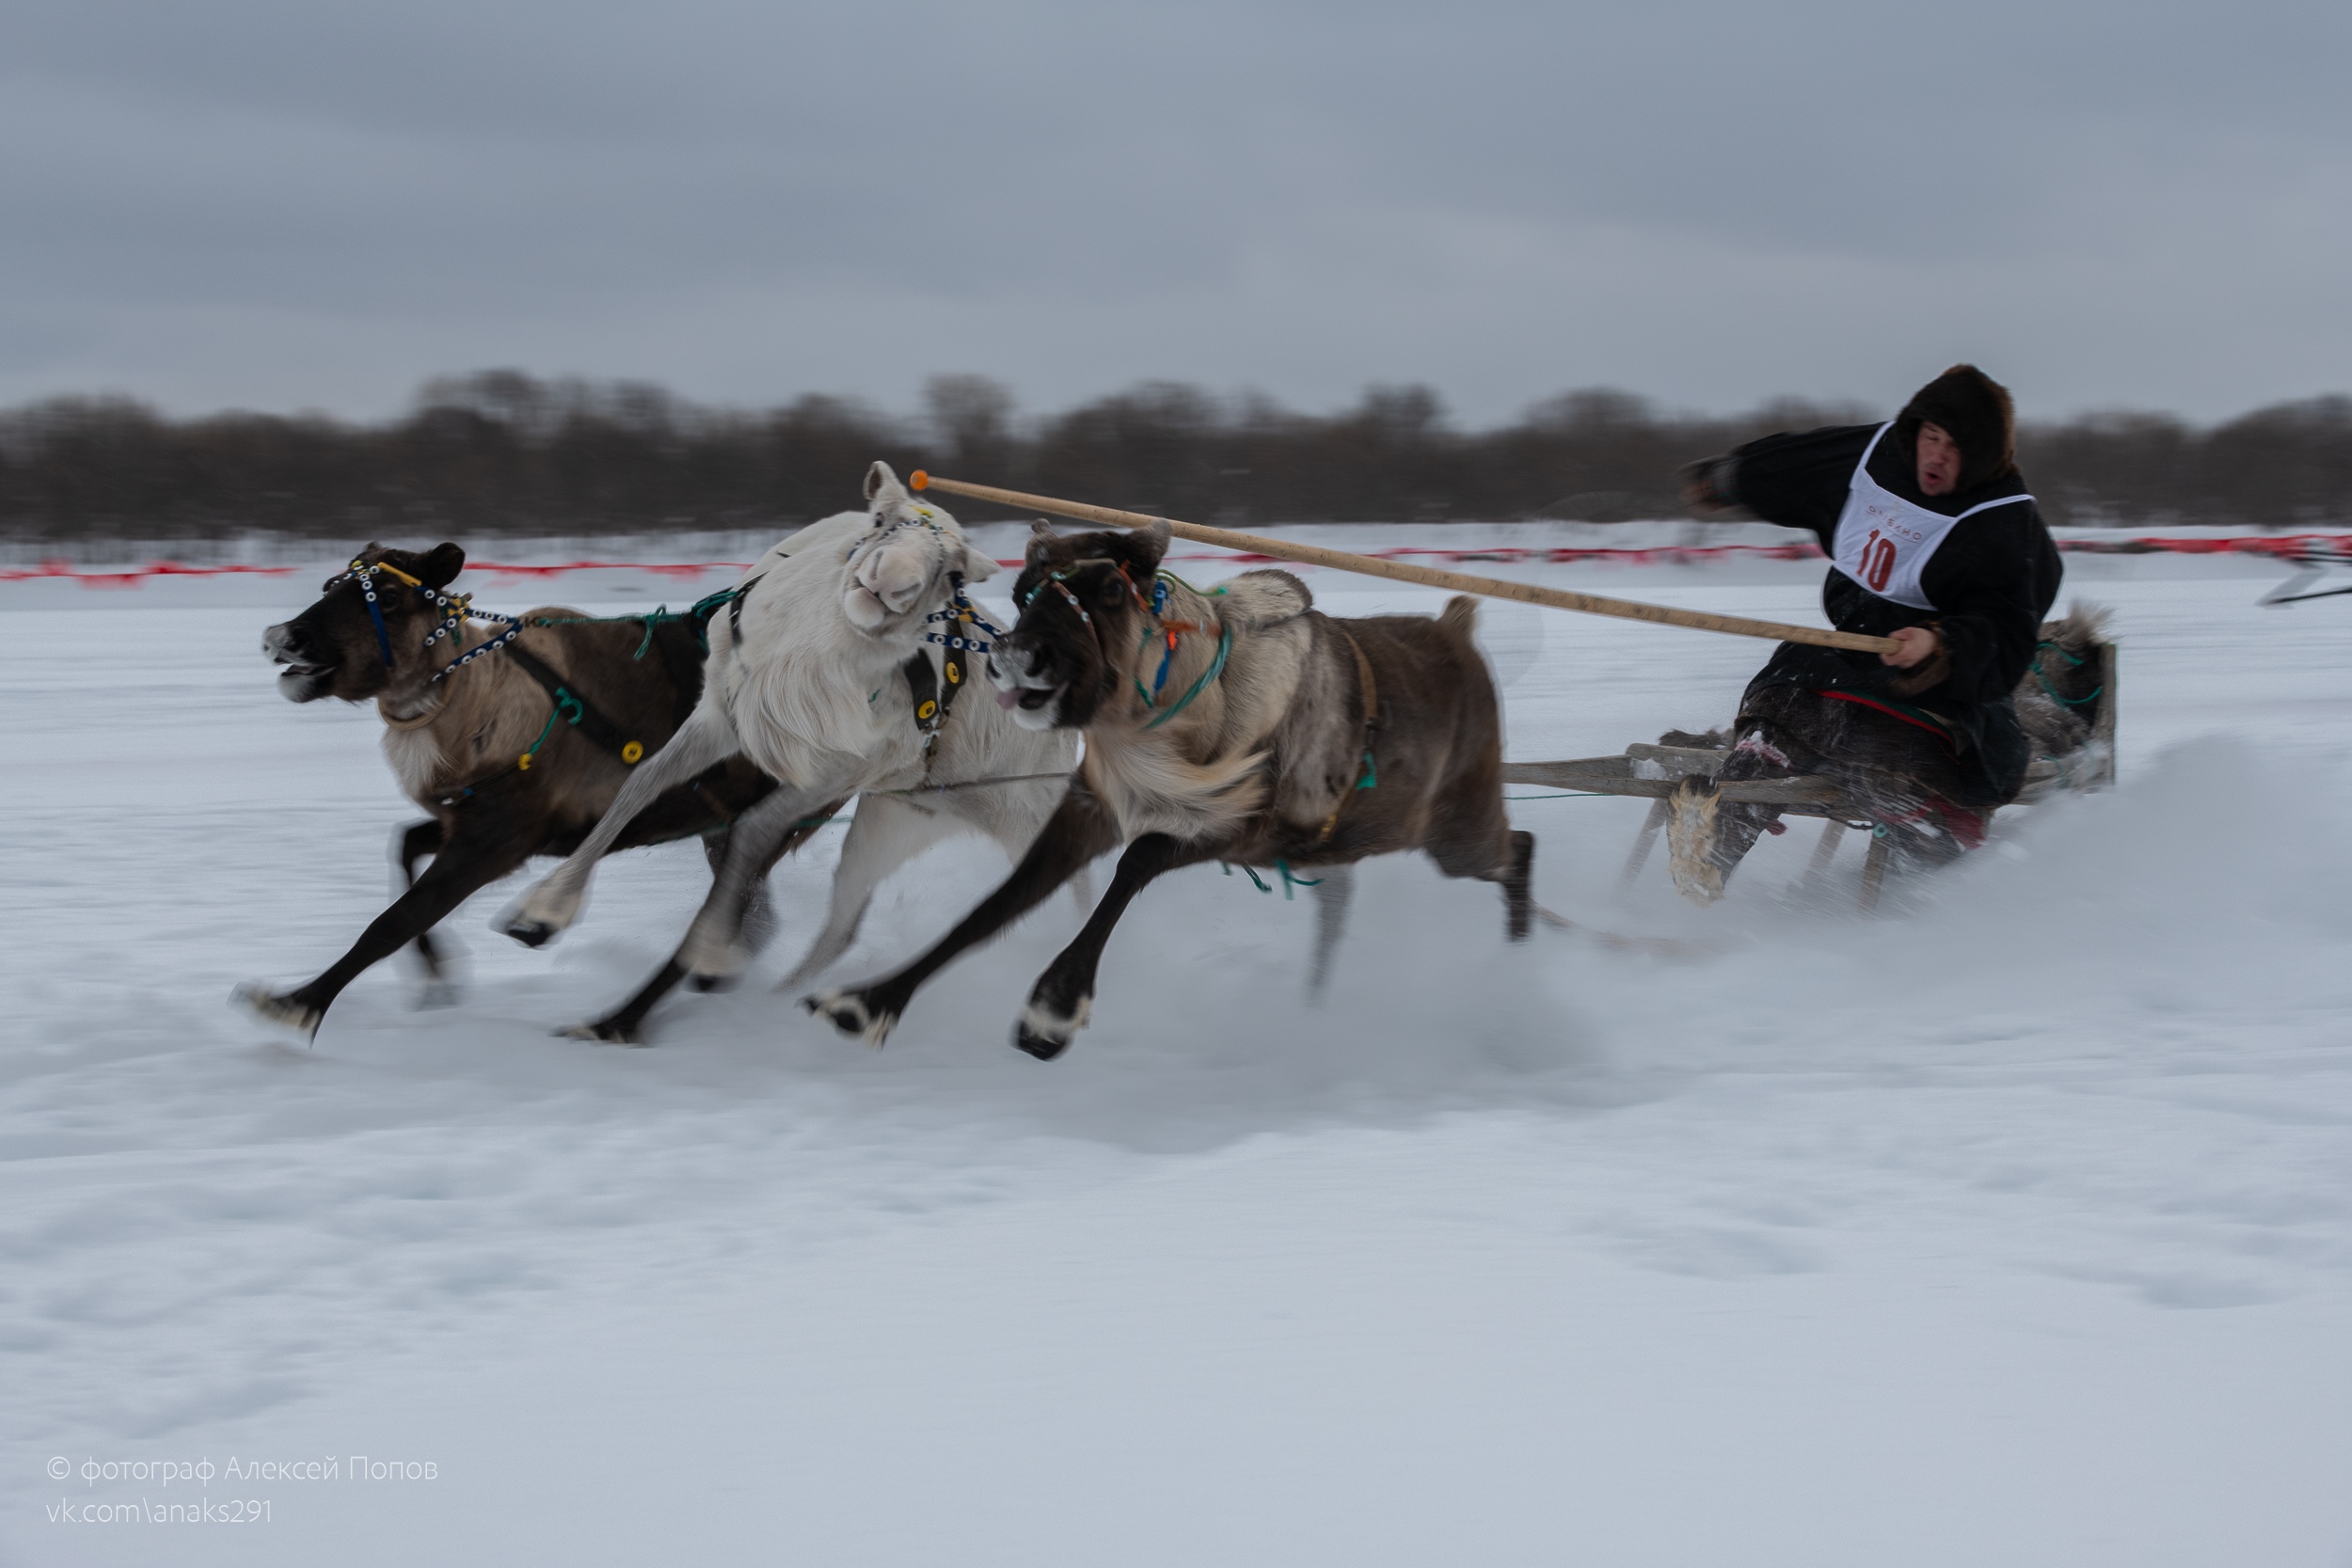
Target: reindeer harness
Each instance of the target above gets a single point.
(457, 609)
(930, 693)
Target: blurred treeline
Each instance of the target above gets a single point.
(501, 453)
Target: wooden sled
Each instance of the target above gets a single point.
(1653, 771)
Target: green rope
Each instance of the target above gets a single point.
(1282, 868)
(2073, 659)
(1205, 592)
(533, 750)
(700, 612)
(562, 699)
(1224, 646)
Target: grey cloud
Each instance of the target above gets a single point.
(291, 203)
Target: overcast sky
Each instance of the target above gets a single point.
(303, 204)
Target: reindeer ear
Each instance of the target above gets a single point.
(441, 566)
(978, 566)
(1151, 543)
(882, 486)
(1041, 539)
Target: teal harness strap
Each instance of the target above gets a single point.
(2073, 659)
(1216, 668)
(1289, 879)
(699, 613)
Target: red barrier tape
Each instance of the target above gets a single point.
(2314, 548)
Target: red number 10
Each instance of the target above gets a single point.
(1878, 560)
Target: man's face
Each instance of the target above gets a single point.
(1939, 461)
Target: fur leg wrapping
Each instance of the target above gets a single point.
(1694, 812)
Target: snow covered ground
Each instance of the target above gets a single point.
(2013, 1229)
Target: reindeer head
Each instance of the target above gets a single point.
(332, 649)
(906, 563)
(1081, 603)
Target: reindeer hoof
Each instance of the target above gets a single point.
(604, 1031)
(283, 1011)
(1040, 1046)
(1046, 1033)
(1519, 888)
(847, 1011)
(530, 932)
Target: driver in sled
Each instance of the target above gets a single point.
(1933, 541)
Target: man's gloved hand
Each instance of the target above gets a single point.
(1707, 484)
(1919, 645)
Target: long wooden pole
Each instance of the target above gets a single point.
(1371, 565)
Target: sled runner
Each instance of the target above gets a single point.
(2312, 564)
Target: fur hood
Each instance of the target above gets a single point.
(1975, 411)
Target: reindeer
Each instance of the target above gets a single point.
(2059, 701)
(835, 672)
(1242, 726)
(515, 742)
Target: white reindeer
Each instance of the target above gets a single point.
(807, 677)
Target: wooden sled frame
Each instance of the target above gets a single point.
(1654, 771)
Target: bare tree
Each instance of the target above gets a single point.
(500, 451)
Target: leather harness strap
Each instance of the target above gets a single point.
(734, 608)
(682, 661)
(931, 701)
(582, 715)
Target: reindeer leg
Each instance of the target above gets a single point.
(713, 946)
(1483, 845)
(417, 841)
(483, 850)
(1519, 888)
(1335, 888)
(625, 1024)
(888, 834)
(1064, 995)
(756, 922)
(1078, 830)
(549, 909)
(758, 919)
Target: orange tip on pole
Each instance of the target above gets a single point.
(919, 480)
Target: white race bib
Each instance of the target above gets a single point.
(1884, 542)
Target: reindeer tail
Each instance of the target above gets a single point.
(1460, 615)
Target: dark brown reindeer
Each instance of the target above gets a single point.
(1242, 726)
(515, 740)
(2059, 701)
